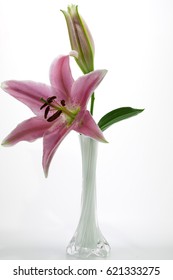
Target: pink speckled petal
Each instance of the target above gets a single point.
(61, 78)
(84, 86)
(28, 130)
(88, 127)
(51, 141)
(28, 92)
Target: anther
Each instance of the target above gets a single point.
(47, 102)
(50, 99)
(46, 112)
(44, 105)
(54, 116)
(63, 102)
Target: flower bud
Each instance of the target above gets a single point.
(80, 39)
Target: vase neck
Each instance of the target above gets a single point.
(89, 149)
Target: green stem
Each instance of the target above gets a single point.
(92, 104)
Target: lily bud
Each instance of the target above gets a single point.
(80, 39)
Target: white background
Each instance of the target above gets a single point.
(134, 41)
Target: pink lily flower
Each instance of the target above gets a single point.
(59, 108)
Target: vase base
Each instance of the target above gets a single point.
(101, 249)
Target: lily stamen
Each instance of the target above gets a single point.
(47, 102)
(51, 104)
(46, 112)
(50, 99)
(63, 103)
(54, 116)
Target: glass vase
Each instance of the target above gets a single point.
(88, 239)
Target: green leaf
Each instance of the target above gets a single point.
(117, 115)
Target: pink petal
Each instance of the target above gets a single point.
(28, 92)
(29, 130)
(88, 127)
(61, 78)
(84, 86)
(51, 141)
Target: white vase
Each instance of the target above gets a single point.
(88, 239)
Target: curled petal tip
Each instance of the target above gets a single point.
(45, 169)
(102, 73)
(74, 53)
(105, 71)
(3, 85)
(104, 141)
(5, 143)
(46, 173)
